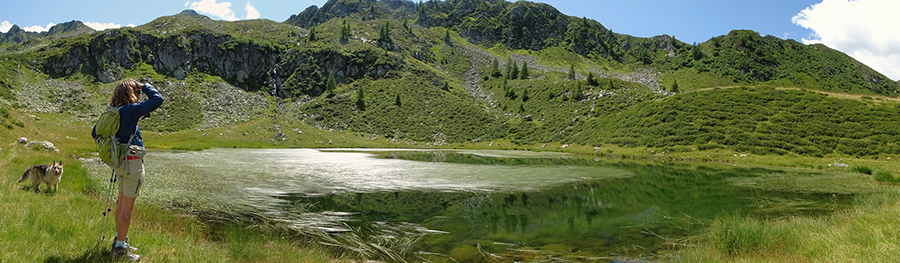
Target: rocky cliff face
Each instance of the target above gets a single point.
(248, 64)
(337, 9)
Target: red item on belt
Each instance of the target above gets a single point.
(132, 158)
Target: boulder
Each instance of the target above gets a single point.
(23, 140)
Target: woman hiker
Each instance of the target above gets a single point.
(130, 173)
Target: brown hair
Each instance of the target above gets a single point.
(126, 92)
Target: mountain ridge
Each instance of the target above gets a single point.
(17, 35)
(409, 72)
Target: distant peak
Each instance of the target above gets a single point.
(192, 13)
(14, 29)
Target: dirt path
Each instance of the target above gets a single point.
(838, 95)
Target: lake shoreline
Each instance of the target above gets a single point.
(867, 219)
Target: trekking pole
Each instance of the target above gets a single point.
(112, 179)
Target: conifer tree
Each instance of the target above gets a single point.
(572, 72)
(345, 31)
(385, 34)
(674, 86)
(312, 34)
(525, 95)
(523, 73)
(591, 80)
(360, 98)
(330, 84)
(509, 65)
(420, 12)
(397, 100)
(514, 71)
(609, 85)
(577, 93)
(495, 69)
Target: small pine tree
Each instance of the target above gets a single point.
(523, 73)
(495, 69)
(102, 63)
(385, 33)
(397, 100)
(447, 36)
(522, 107)
(577, 93)
(420, 12)
(525, 95)
(446, 86)
(609, 85)
(360, 98)
(345, 31)
(509, 64)
(330, 84)
(572, 72)
(405, 21)
(514, 72)
(591, 80)
(674, 86)
(312, 34)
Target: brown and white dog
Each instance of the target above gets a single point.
(48, 174)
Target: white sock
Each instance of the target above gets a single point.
(120, 243)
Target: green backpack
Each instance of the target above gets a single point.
(108, 147)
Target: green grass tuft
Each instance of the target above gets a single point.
(862, 170)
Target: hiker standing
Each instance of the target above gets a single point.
(130, 171)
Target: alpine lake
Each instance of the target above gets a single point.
(483, 205)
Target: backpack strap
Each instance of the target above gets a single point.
(127, 144)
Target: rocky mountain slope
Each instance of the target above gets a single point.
(431, 72)
(18, 38)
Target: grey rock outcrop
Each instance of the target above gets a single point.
(45, 145)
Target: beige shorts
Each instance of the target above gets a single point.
(129, 180)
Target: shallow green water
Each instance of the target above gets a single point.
(472, 205)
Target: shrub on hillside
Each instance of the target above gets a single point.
(862, 170)
(886, 177)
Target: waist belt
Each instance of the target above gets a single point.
(132, 158)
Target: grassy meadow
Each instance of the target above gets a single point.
(64, 226)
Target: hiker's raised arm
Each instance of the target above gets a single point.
(154, 100)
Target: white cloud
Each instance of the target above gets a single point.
(5, 26)
(864, 29)
(39, 28)
(102, 26)
(251, 11)
(221, 10)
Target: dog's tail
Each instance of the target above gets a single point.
(25, 175)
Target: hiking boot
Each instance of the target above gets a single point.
(128, 246)
(125, 253)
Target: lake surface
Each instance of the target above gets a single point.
(473, 205)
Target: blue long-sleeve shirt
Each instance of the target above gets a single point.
(130, 114)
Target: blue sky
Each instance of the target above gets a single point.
(860, 28)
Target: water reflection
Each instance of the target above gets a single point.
(473, 204)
